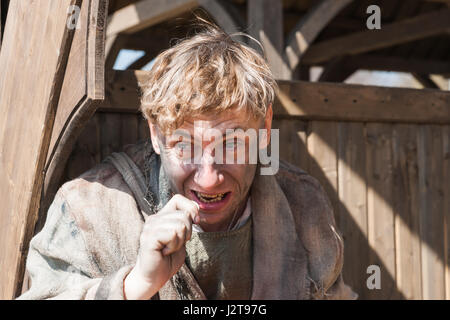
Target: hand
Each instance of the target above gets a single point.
(162, 247)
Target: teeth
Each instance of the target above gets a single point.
(209, 197)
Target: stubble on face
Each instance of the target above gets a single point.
(184, 177)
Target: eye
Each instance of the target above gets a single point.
(183, 149)
(233, 144)
(182, 145)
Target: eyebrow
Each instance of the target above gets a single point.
(186, 134)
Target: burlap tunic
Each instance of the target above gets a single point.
(90, 239)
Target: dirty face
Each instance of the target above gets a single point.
(191, 160)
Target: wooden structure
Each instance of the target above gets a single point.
(382, 154)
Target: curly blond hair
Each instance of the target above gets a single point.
(208, 73)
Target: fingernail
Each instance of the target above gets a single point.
(198, 207)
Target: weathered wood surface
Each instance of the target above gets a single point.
(406, 208)
(322, 146)
(416, 28)
(318, 101)
(142, 14)
(98, 140)
(293, 134)
(432, 226)
(82, 90)
(309, 27)
(265, 21)
(390, 63)
(380, 214)
(446, 204)
(371, 170)
(352, 203)
(1, 23)
(343, 102)
(33, 57)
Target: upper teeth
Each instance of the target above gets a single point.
(210, 197)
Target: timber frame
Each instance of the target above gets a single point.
(414, 39)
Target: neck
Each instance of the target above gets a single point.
(238, 213)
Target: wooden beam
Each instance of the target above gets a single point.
(426, 81)
(386, 63)
(344, 102)
(265, 23)
(147, 41)
(223, 15)
(440, 1)
(316, 101)
(122, 91)
(138, 16)
(1, 22)
(337, 70)
(141, 62)
(309, 27)
(113, 45)
(30, 86)
(144, 13)
(416, 28)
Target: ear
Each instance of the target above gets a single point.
(154, 137)
(267, 127)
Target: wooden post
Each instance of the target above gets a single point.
(81, 93)
(30, 86)
(1, 21)
(142, 14)
(309, 27)
(265, 23)
(337, 70)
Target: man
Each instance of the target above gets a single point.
(180, 217)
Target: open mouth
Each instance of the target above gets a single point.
(210, 198)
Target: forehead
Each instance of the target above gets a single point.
(230, 119)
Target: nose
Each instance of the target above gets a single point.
(207, 176)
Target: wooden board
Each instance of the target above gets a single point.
(129, 129)
(322, 147)
(344, 102)
(110, 133)
(416, 28)
(446, 205)
(83, 89)
(265, 23)
(380, 214)
(431, 211)
(406, 207)
(143, 129)
(1, 23)
(309, 27)
(293, 141)
(33, 58)
(352, 204)
(317, 101)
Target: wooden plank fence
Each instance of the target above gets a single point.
(387, 178)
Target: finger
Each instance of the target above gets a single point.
(179, 202)
(173, 234)
(178, 217)
(168, 241)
